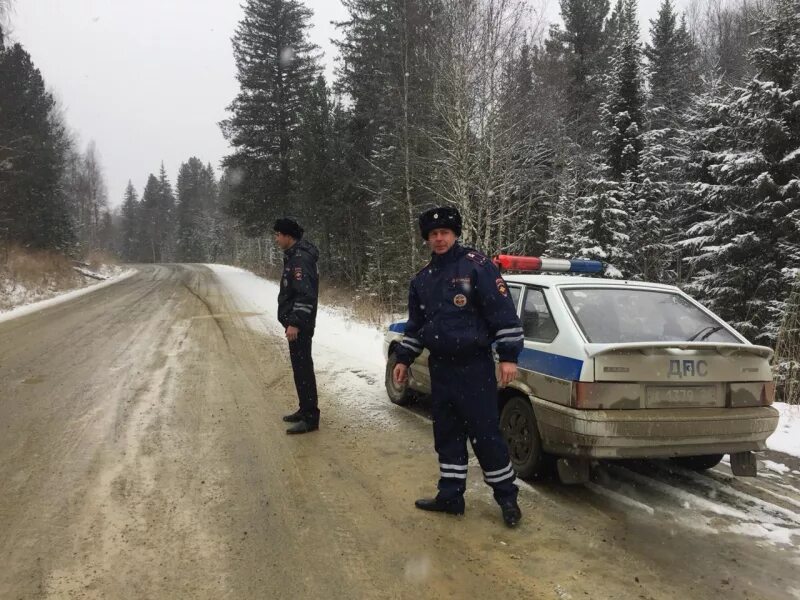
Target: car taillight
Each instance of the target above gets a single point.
(768, 394)
(605, 396)
(586, 395)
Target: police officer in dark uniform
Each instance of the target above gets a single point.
(297, 312)
(458, 307)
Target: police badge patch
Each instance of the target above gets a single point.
(460, 300)
(501, 286)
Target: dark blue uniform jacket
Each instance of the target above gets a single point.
(297, 299)
(458, 306)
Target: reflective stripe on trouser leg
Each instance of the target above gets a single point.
(474, 388)
(449, 435)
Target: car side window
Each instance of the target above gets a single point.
(515, 291)
(537, 320)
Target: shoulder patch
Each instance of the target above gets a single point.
(476, 257)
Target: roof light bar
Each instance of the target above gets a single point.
(507, 262)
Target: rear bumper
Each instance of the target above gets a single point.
(653, 433)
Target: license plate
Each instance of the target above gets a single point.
(682, 396)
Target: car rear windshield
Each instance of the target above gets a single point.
(616, 315)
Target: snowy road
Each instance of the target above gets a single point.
(142, 455)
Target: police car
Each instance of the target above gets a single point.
(616, 369)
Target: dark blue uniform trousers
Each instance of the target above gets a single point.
(304, 379)
(464, 394)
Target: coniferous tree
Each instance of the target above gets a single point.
(583, 45)
(671, 67)
(605, 214)
(386, 73)
(276, 68)
(316, 188)
(165, 217)
(195, 211)
(130, 226)
(33, 149)
(746, 247)
(151, 221)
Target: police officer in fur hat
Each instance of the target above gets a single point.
(458, 307)
(297, 312)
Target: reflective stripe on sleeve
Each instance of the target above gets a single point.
(413, 341)
(413, 349)
(503, 332)
(505, 340)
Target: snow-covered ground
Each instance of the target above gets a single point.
(348, 357)
(27, 301)
(786, 438)
(349, 361)
(349, 353)
(354, 351)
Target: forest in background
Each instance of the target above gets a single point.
(672, 157)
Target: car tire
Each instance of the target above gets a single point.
(400, 394)
(521, 432)
(698, 463)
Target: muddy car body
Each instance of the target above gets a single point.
(618, 369)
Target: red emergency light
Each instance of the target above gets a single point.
(507, 262)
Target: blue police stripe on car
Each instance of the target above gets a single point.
(555, 365)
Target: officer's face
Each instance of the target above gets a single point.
(284, 241)
(441, 240)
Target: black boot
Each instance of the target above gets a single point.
(452, 507)
(294, 417)
(303, 427)
(511, 513)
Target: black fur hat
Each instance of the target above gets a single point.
(443, 217)
(289, 227)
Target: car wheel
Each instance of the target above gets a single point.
(698, 463)
(399, 393)
(519, 428)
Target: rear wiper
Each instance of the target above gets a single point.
(705, 332)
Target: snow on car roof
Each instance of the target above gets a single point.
(562, 280)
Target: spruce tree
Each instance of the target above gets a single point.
(152, 225)
(746, 248)
(165, 217)
(195, 211)
(671, 67)
(129, 225)
(583, 43)
(605, 214)
(33, 149)
(386, 72)
(276, 68)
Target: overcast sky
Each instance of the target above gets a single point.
(149, 80)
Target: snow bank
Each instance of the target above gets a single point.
(786, 438)
(353, 352)
(348, 352)
(27, 309)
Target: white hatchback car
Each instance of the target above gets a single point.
(617, 369)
